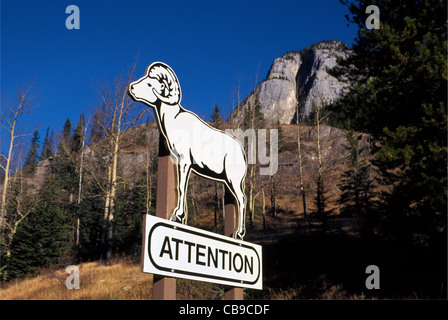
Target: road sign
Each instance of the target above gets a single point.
(176, 250)
(194, 145)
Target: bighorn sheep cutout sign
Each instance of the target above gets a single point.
(193, 144)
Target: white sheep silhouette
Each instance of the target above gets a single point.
(193, 144)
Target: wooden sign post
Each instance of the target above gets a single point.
(164, 288)
(229, 226)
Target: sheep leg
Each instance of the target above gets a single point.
(240, 202)
(180, 212)
(240, 229)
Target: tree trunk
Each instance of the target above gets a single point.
(193, 197)
(320, 182)
(148, 181)
(299, 148)
(252, 175)
(106, 214)
(264, 210)
(216, 200)
(273, 195)
(6, 178)
(251, 202)
(113, 188)
(302, 188)
(78, 219)
(223, 201)
(7, 167)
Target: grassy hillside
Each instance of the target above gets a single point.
(123, 280)
(301, 260)
(120, 280)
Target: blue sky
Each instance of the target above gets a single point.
(213, 46)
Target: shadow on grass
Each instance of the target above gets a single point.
(331, 265)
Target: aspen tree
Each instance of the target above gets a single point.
(10, 122)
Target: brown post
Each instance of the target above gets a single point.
(229, 227)
(164, 288)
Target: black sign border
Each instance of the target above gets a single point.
(176, 272)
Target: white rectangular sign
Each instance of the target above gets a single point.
(181, 251)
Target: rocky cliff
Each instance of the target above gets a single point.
(296, 80)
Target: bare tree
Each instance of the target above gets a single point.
(320, 199)
(22, 204)
(148, 170)
(120, 114)
(253, 120)
(264, 209)
(146, 141)
(9, 121)
(299, 148)
(81, 167)
(273, 195)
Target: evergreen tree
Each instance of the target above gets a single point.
(64, 144)
(356, 184)
(65, 169)
(216, 116)
(32, 157)
(47, 147)
(91, 210)
(63, 166)
(400, 72)
(131, 206)
(78, 133)
(97, 129)
(43, 238)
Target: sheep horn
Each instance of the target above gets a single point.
(166, 74)
(171, 99)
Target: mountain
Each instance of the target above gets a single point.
(133, 159)
(297, 79)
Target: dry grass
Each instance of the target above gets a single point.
(122, 280)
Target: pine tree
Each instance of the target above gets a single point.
(400, 98)
(63, 167)
(78, 134)
(97, 130)
(43, 238)
(32, 157)
(64, 144)
(131, 206)
(47, 147)
(216, 117)
(91, 210)
(357, 183)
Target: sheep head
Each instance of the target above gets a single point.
(159, 84)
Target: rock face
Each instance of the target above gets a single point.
(314, 84)
(277, 93)
(297, 80)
